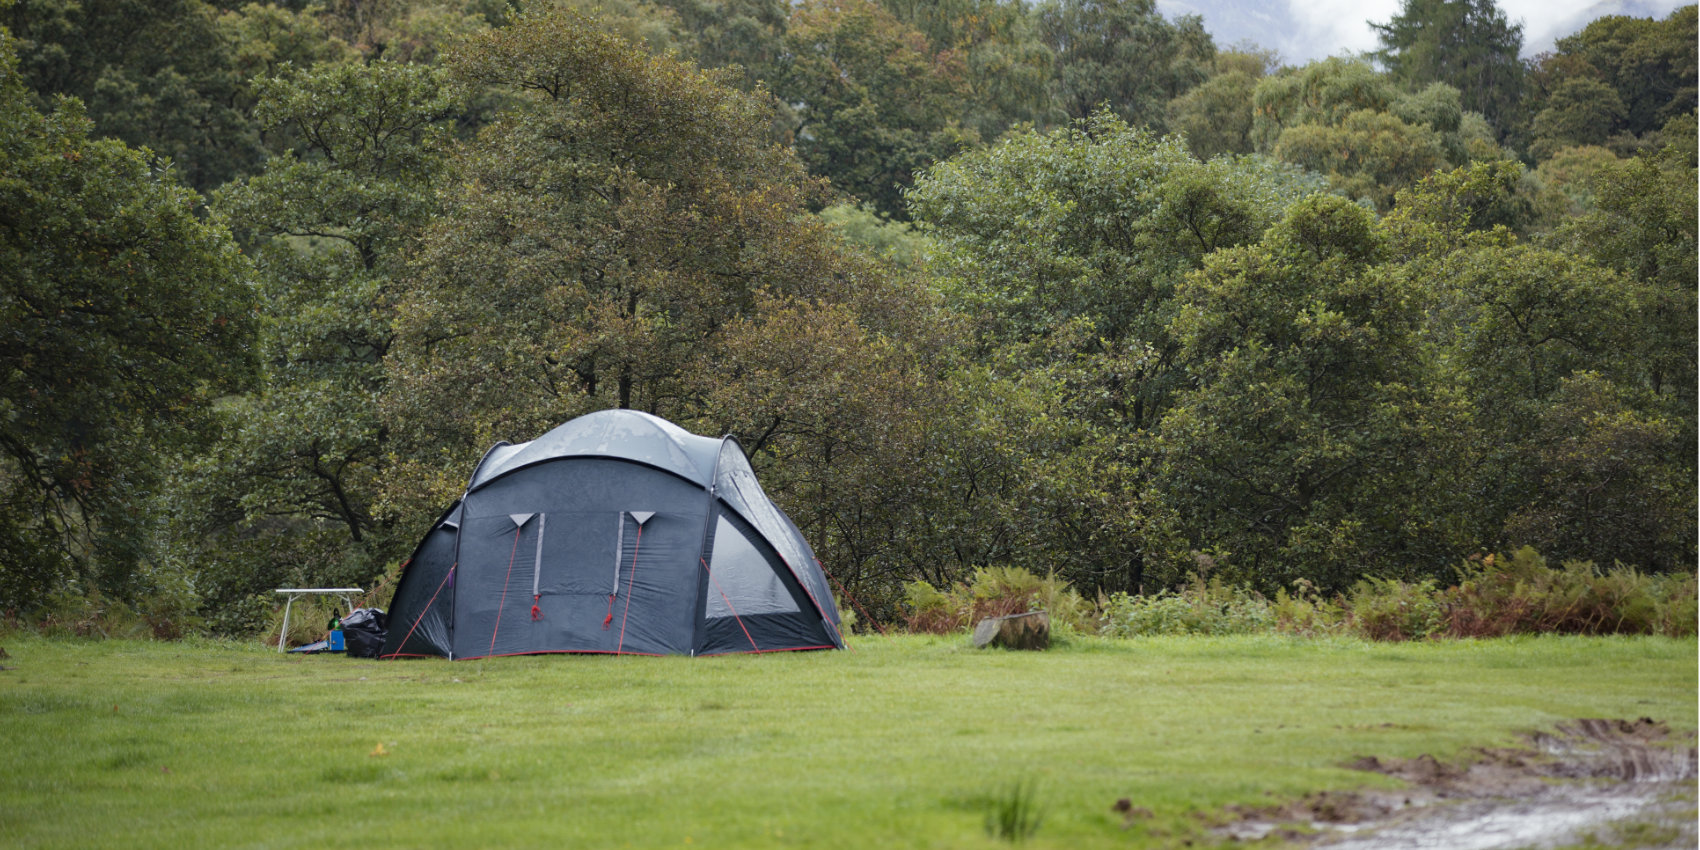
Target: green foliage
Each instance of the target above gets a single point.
(1393, 610)
(1095, 349)
(1065, 249)
(309, 621)
(1567, 180)
(1340, 118)
(262, 39)
(1468, 45)
(1215, 117)
(930, 610)
(1644, 225)
(127, 313)
(164, 614)
(154, 74)
(1443, 210)
(1123, 57)
(1612, 478)
(1617, 82)
(591, 255)
(288, 494)
(1309, 417)
(1096, 222)
(1202, 607)
(994, 592)
(896, 241)
(1520, 594)
(874, 102)
(1007, 66)
(1306, 612)
(747, 33)
(1579, 111)
(1563, 445)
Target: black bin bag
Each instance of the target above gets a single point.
(363, 630)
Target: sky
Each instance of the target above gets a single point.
(1303, 30)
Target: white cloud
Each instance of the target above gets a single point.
(1332, 27)
(1303, 30)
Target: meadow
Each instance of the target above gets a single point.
(903, 741)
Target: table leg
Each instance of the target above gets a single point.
(284, 635)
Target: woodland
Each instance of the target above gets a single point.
(1063, 286)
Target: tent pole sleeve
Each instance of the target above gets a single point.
(454, 598)
(619, 549)
(700, 633)
(537, 565)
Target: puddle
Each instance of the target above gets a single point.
(1565, 786)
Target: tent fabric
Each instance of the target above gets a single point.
(629, 434)
(617, 532)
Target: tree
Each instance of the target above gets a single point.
(1095, 221)
(1215, 117)
(873, 102)
(1065, 250)
(1307, 443)
(1341, 118)
(747, 33)
(154, 74)
(1648, 67)
(1580, 111)
(127, 313)
(1466, 44)
(1124, 55)
(1567, 447)
(288, 495)
(1609, 484)
(1644, 225)
(626, 235)
(1007, 68)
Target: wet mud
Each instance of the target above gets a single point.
(1615, 783)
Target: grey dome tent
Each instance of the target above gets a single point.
(617, 532)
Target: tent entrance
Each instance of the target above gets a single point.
(750, 602)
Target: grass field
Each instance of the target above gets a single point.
(901, 742)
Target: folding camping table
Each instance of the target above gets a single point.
(295, 592)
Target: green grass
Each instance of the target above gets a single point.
(902, 742)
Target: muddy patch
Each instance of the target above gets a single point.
(1623, 782)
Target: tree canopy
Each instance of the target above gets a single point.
(126, 314)
(1466, 44)
(1059, 285)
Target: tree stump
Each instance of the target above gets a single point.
(1031, 630)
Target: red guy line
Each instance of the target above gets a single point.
(631, 577)
(728, 604)
(504, 602)
(426, 608)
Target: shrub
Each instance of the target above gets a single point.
(1201, 608)
(1001, 591)
(1389, 609)
(931, 611)
(68, 613)
(1305, 612)
(994, 592)
(1680, 612)
(1497, 595)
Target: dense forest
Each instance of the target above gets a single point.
(1061, 285)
